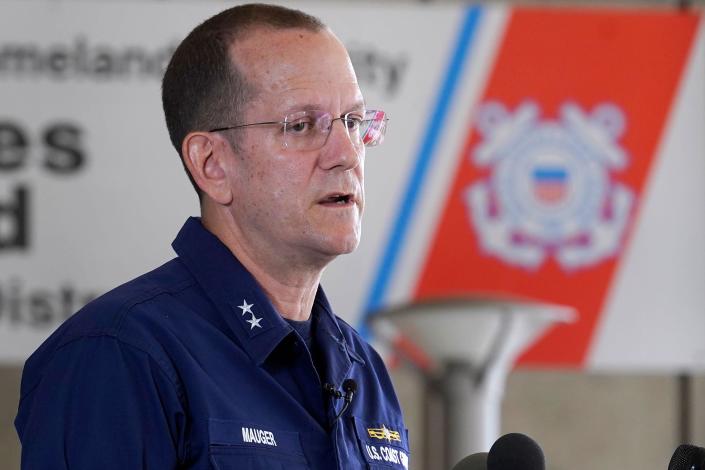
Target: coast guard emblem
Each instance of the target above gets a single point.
(549, 190)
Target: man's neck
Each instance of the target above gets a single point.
(293, 299)
(290, 284)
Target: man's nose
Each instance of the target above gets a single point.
(340, 148)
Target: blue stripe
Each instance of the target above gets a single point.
(423, 160)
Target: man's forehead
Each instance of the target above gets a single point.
(259, 48)
(297, 68)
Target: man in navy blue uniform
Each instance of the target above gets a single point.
(229, 356)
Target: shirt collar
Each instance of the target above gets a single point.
(240, 299)
(333, 342)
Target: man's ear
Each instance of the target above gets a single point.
(206, 156)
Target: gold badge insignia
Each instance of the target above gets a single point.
(384, 434)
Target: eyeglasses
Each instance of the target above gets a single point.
(309, 130)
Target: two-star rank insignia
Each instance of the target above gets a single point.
(247, 308)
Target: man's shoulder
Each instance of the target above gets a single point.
(107, 313)
(126, 308)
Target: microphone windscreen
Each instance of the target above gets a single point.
(687, 457)
(349, 385)
(515, 451)
(473, 462)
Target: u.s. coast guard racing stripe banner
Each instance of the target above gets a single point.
(550, 180)
(566, 183)
(555, 155)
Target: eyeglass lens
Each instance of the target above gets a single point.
(309, 130)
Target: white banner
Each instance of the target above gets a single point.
(92, 193)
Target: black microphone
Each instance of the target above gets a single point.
(349, 387)
(476, 461)
(348, 393)
(331, 390)
(514, 451)
(688, 457)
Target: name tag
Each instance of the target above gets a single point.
(240, 434)
(259, 436)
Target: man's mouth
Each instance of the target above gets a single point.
(337, 199)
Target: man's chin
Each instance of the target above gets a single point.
(336, 246)
(345, 248)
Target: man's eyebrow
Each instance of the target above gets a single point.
(302, 107)
(357, 105)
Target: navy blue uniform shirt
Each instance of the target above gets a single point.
(189, 366)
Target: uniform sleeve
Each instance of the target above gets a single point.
(101, 404)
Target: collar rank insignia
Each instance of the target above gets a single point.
(384, 434)
(247, 308)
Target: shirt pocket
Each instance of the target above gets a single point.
(236, 445)
(383, 444)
